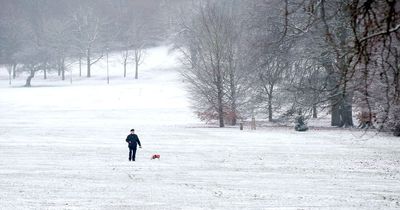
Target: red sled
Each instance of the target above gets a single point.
(155, 156)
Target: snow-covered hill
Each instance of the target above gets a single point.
(62, 146)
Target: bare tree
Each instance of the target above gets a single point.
(88, 28)
(59, 38)
(36, 52)
(235, 62)
(11, 37)
(205, 52)
(376, 28)
(134, 32)
(359, 59)
(270, 55)
(77, 30)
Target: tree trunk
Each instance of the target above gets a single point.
(342, 111)
(124, 68)
(125, 61)
(14, 70)
(88, 62)
(9, 76)
(136, 65)
(234, 115)
(342, 107)
(253, 123)
(62, 63)
(45, 72)
(137, 70)
(70, 76)
(220, 109)
(233, 96)
(347, 112)
(396, 116)
(59, 68)
(270, 113)
(396, 130)
(335, 99)
(29, 79)
(315, 103)
(335, 111)
(270, 109)
(220, 102)
(314, 111)
(336, 102)
(80, 66)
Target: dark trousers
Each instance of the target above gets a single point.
(132, 153)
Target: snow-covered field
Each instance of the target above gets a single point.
(63, 146)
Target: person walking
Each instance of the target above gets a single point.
(133, 141)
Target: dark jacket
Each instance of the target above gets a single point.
(133, 140)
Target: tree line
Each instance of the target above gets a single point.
(241, 58)
(47, 35)
(275, 58)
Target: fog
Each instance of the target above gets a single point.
(248, 104)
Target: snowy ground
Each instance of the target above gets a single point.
(63, 146)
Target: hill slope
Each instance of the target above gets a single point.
(63, 147)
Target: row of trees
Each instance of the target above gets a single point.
(242, 57)
(275, 57)
(47, 35)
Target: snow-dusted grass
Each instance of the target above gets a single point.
(63, 147)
